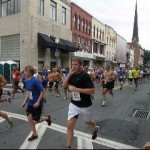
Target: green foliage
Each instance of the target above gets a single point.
(147, 58)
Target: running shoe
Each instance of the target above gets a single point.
(8, 93)
(94, 135)
(103, 103)
(48, 120)
(10, 124)
(50, 94)
(33, 137)
(64, 98)
(8, 99)
(57, 95)
(112, 94)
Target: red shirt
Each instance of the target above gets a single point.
(15, 75)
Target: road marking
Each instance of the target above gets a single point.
(78, 134)
(84, 144)
(1, 120)
(27, 145)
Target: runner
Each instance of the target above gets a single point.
(56, 77)
(81, 86)
(121, 75)
(34, 98)
(16, 79)
(108, 83)
(136, 75)
(50, 82)
(3, 114)
(66, 72)
(130, 76)
(23, 77)
(3, 82)
(141, 75)
(113, 81)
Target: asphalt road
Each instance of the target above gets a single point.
(118, 128)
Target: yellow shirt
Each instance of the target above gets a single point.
(136, 73)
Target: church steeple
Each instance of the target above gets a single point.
(135, 36)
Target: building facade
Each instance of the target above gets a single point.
(81, 25)
(121, 50)
(130, 56)
(111, 41)
(98, 43)
(26, 25)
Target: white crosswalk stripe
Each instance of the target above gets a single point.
(84, 139)
(27, 145)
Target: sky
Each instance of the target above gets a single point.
(119, 14)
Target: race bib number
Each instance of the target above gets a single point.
(121, 77)
(76, 96)
(14, 76)
(30, 94)
(54, 83)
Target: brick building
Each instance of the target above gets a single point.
(81, 26)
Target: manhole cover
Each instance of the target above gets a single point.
(141, 114)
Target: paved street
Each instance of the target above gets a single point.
(118, 129)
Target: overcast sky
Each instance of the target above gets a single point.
(119, 14)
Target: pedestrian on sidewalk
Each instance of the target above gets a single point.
(35, 100)
(81, 86)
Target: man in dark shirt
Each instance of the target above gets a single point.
(81, 86)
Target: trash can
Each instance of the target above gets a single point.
(8, 67)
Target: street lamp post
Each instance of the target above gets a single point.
(57, 51)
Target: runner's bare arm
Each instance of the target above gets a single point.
(3, 82)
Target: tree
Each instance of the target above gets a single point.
(146, 58)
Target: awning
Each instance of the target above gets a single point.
(45, 41)
(61, 45)
(71, 47)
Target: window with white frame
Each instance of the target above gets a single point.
(79, 39)
(53, 7)
(85, 25)
(97, 32)
(89, 43)
(79, 23)
(89, 28)
(75, 21)
(100, 35)
(94, 31)
(82, 41)
(41, 7)
(63, 15)
(82, 25)
(10, 7)
(10, 46)
(41, 52)
(75, 38)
